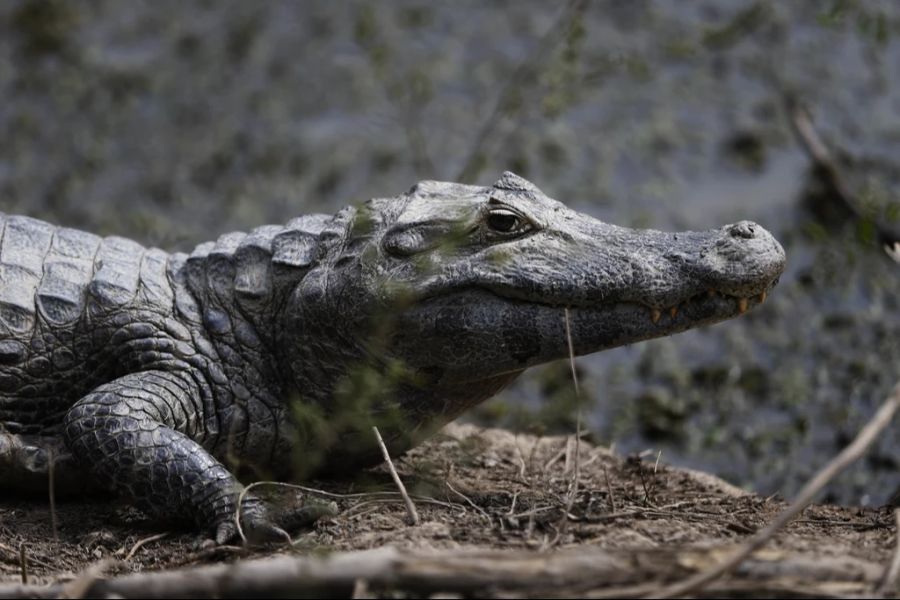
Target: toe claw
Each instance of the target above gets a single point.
(259, 526)
(226, 532)
(256, 525)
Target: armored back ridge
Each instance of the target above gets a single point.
(249, 272)
(164, 375)
(54, 274)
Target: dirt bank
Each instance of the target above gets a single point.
(484, 490)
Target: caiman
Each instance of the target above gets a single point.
(164, 376)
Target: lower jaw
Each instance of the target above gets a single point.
(595, 329)
(514, 334)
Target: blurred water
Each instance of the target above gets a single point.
(171, 122)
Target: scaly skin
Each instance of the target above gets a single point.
(164, 375)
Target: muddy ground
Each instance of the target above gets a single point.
(475, 489)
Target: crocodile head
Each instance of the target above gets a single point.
(468, 286)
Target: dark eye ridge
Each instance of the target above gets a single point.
(503, 221)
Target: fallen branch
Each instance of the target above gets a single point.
(587, 571)
(847, 456)
(889, 584)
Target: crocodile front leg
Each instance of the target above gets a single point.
(131, 434)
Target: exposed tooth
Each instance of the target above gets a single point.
(742, 305)
(762, 297)
(673, 311)
(654, 315)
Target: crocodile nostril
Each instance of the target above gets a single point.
(744, 229)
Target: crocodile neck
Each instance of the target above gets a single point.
(243, 282)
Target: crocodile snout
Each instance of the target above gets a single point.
(746, 259)
(754, 240)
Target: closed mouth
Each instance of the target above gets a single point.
(711, 300)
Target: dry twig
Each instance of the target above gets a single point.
(469, 501)
(563, 452)
(23, 563)
(573, 485)
(609, 491)
(410, 507)
(141, 543)
(31, 559)
(52, 491)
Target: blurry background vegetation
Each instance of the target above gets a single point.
(171, 122)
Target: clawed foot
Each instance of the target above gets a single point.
(259, 527)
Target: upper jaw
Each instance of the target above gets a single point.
(663, 273)
(658, 270)
(710, 300)
(661, 301)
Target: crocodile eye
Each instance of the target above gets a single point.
(506, 221)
